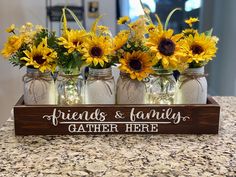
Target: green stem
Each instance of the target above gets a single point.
(75, 18)
(147, 15)
(169, 17)
(162, 85)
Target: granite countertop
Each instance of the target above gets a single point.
(123, 155)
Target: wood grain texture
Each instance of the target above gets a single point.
(203, 119)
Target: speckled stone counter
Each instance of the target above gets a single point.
(123, 155)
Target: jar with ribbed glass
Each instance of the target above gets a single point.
(69, 89)
(161, 87)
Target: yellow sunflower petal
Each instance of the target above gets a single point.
(95, 62)
(132, 76)
(101, 62)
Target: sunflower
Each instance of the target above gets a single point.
(123, 20)
(121, 39)
(73, 40)
(191, 20)
(96, 50)
(137, 64)
(189, 31)
(12, 45)
(199, 48)
(151, 28)
(11, 28)
(41, 57)
(166, 47)
(103, 29)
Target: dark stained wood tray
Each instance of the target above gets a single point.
(116, 119)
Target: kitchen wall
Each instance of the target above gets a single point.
(107, 8)
(19, 12)
(222, 73)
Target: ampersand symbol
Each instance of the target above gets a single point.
(119, 115)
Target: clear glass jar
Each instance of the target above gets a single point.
(161, 87)
(130, 91)
(39, 88)
(100, 87)
(69, 89)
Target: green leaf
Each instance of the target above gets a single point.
(15, 61)
(209, 32)
(64, 19)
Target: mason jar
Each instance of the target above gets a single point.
(69, 89)
(161, 87)
(39, 88)
(130, 91)
(100, 87)
(192, 87)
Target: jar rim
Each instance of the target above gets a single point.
(100, 69)
(100, 72)
(162, 71)
(195, 70)
(36, 71)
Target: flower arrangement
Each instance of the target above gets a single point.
(199, 48)
(70, 46)
(180, 51)
(165, 44)
(97, 51)
(92, 49)
(131, 52)
(31, 46)
(98, 47)
(183, 51)
(135, 60)
(80, 47)
(144, 52)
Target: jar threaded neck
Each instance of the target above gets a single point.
(100, 72)
(163, 71)
(32, 71)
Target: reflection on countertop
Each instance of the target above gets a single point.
(123, 155)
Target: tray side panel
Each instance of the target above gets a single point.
(173, 119)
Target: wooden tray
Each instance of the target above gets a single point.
(117, 119)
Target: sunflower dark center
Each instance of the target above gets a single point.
(167, 47)
(75, 43)
(135, 64)
(96, 52)
(39, 59)
(151, 28)
(196, 49)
